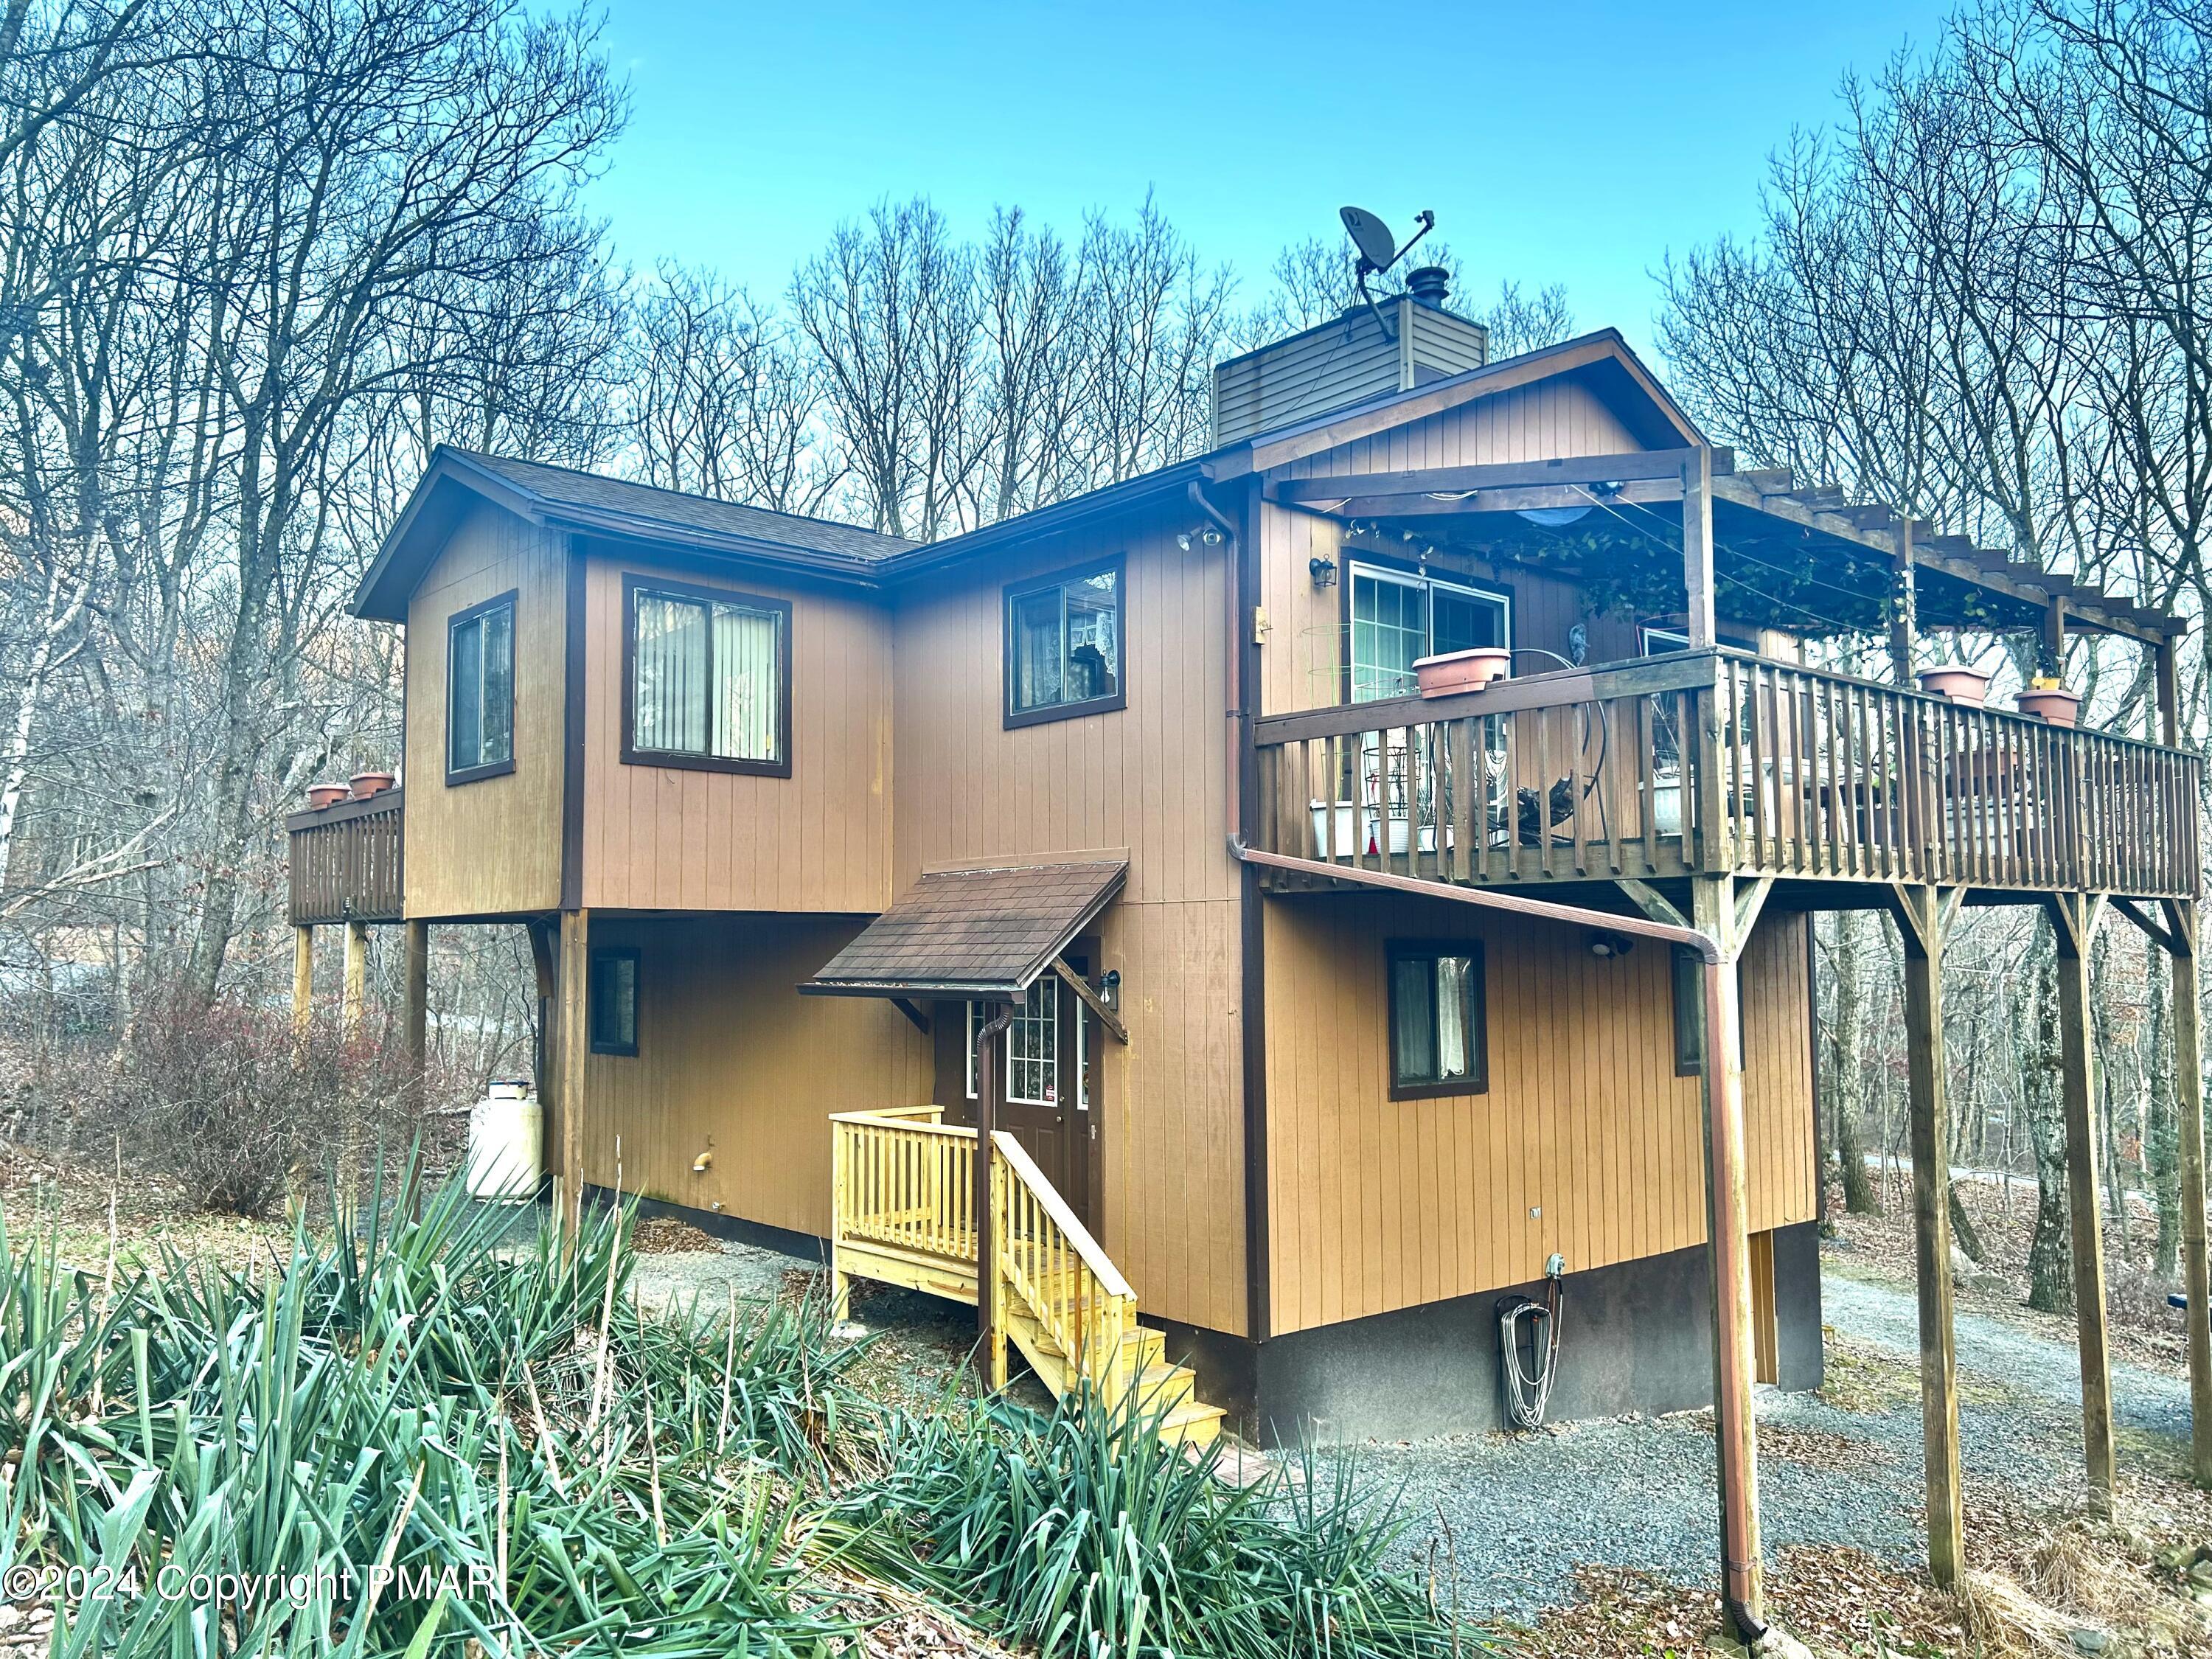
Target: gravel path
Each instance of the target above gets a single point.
(1523, 1513)
(2155, 1401)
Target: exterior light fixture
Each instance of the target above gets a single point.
(1606, 945)
(1323, 571)
(1109, 988)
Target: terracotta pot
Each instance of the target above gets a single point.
(321, 795)
(1965, 686)
(1454, 671)
(366, 784)
(2056, 704)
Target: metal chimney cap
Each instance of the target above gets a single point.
(1428, 285)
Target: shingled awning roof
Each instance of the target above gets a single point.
(975, 934)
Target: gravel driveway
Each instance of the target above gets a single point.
(1523, 1513)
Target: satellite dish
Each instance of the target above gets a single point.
(1378, 247)
(1378, 252)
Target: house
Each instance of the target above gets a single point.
(1309, 1016)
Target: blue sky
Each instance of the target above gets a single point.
(1556, 142)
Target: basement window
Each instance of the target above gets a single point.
(1439, 1030)
(480, 691)
(614, 1001)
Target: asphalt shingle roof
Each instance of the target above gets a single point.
(973, 933)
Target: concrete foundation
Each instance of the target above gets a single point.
(1635, 1337)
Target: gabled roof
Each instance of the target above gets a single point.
(586, 501)
(972, 934)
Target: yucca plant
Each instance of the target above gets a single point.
(1082, 1533)
(406, 1437)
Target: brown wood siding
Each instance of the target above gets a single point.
(674, 838)
(1151, 779)
(733, 1061)
(492, 847)
(1379, 1205)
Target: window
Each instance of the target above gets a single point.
(614, 1002)
(1439, 1036)
(708, 679)
(1658, 641)
(1064, 647)
(1398, 618)
(1690, 1016)
(1033, 1047)
(480, 691)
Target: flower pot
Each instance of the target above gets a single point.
(2055, 704)
(1455, 671)
(366, 784)
(1967, 687)
(321, 795)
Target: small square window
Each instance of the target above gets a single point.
(1063, 646)
(1439, 1030)
(614, 1002)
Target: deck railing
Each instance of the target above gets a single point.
(348, 861)
(1720, 761)
(903, 1180)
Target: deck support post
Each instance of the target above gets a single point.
(1923, 920)
(2189, 1105)
(990, 1329)
(1700, 623)
(572, 1039)
(354, 998)
(418, 1022)
(303, 979)
(1715, 914)
(2074, 917)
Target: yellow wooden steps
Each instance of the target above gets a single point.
(899, 1181)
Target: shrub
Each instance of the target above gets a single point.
(232, 1103)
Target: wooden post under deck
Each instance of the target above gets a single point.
(2076, 925)
(572, 1042)
(2189, 1106)
(1714, 913)
(354, 996)
(1922, 918)
(303, 979)
(418, 1021)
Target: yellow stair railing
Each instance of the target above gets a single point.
(902, 1211)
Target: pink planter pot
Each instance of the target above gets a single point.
(2056, 705)
(366, 784)
(321, 795)
(1965, 686)
(1455, 671)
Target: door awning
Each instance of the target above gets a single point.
(981, 935)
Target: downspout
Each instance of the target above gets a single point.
(1724, 1124)
(1240, 673)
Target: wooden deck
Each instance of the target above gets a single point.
(903, 1181)
(1717, 763)
(348, 861)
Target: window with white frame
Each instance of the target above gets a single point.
(1398, 616)
(1033, 1047)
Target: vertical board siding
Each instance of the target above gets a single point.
(492, 846)
(1379, 1204)
(731, 1061)
(670, 838)
(1153, 779)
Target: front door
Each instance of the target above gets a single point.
(1046, 1078)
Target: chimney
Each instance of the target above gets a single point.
(1428, 285)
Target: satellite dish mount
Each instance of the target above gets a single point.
(1378, 252)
